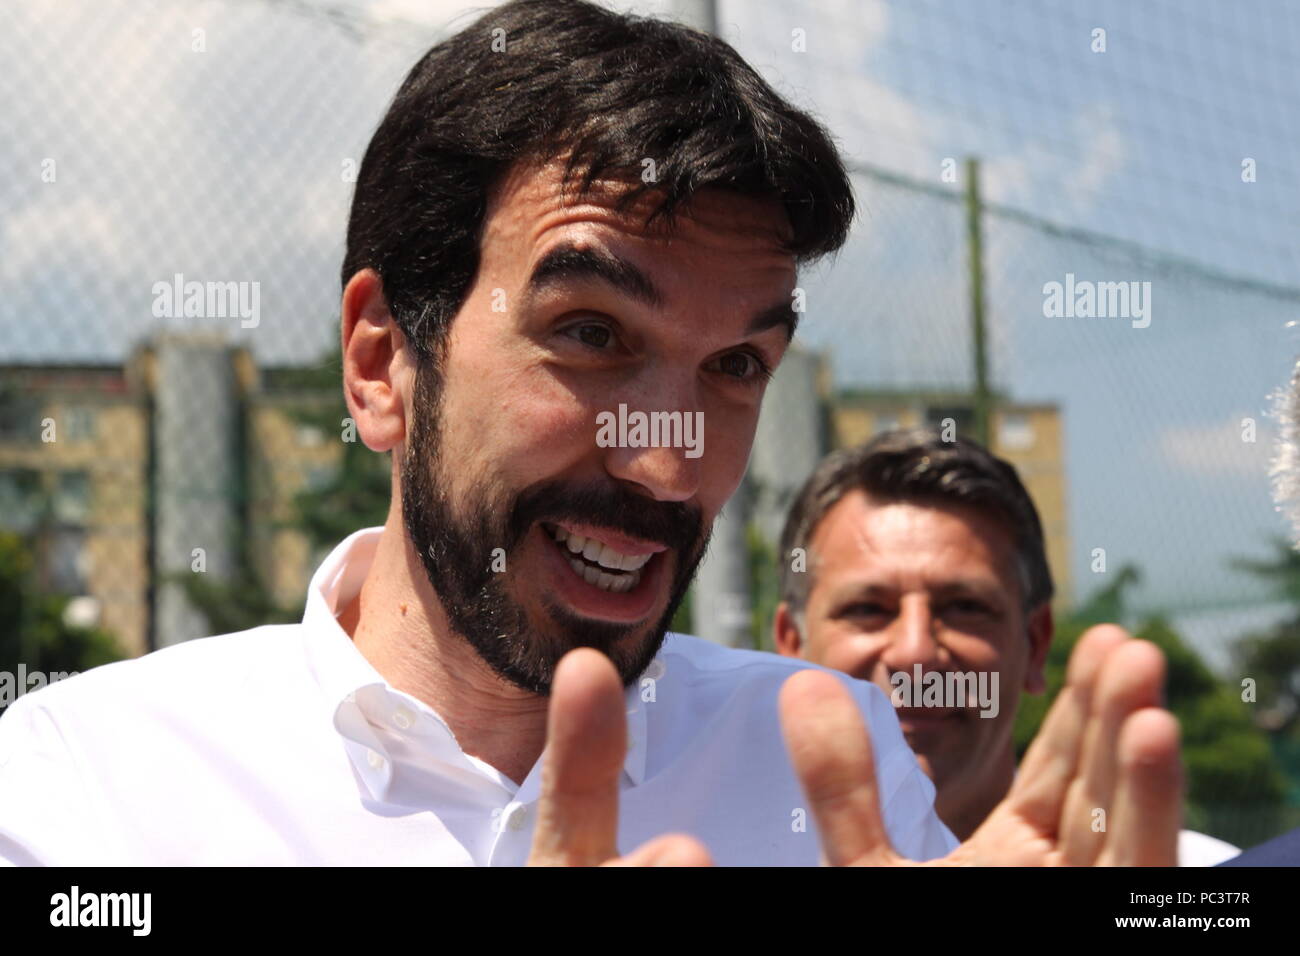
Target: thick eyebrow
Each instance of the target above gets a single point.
(970, 587)
(782, 313)
(860, 591)
(568, 262)
(959, 587)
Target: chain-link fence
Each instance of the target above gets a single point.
(173, 459)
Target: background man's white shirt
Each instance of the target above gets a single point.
(283, 745)
(1200, 849)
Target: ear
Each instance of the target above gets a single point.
(377, 369)
(1040, 627)
(785, 632)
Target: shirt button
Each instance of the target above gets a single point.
(374, 759)
(402, 719)
(517, 816)
(656, 669)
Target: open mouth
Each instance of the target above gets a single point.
(598, 563)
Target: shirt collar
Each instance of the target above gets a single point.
(342, 671)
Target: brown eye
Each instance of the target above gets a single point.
(745, 367)
(597, 336)
(737, 364)
(865, 609)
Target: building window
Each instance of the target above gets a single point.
(310, 436)
(79, 423)
(72, 497)
(1015, 432)
(20, 500)
(319, 477)
(962, 415)
(886, 421)
(20, 418)
(68, 569)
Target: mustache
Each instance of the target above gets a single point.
(673, 524)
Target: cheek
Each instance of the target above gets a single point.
(854, 654)
(999, 654)
(728, 440)
(524, 422)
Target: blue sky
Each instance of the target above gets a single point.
(1145, 142)
(226, 163)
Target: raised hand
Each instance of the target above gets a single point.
(1101, 784)
(586, 742)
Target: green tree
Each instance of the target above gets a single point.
(764, 587)
(33, 631)
(358, 495)
(1235, 789)
(1272, 658)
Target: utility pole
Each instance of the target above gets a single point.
(721, 599)
(979, 343)
(700, 14)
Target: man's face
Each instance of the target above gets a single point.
(535, 537)
(899, 584)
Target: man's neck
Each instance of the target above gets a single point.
(398, 625)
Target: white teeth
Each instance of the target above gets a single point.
(606, 557)
(606, 582)
(593, 550)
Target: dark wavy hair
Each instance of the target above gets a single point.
(534, 80)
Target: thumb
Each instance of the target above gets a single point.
(831, 753)
(586, 743)
(674, 849)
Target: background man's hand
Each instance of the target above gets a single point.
(586, 743)
(1100, 785)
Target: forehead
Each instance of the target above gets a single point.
(861, 536)
(740, 234)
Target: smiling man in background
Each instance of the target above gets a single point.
(927, 557)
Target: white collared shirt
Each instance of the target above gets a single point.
(283, 745)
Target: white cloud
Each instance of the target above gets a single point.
(1021, 177)
(55, 230)
(1217, 449)
(432, 13)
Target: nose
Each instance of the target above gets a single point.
(657, 443)
(662, 472)
(913, 640)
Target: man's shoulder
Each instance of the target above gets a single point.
(728, 696)
(183, 675)
(1282, 850)
(1201, 849)
(707, 665)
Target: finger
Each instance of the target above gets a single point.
(1148, 810)
(831, 753)
(674, 849)
(1039, 791)
(1132, 678)
(586, 743)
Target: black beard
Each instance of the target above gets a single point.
(456, 547)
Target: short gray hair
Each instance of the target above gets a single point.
(916, 465)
